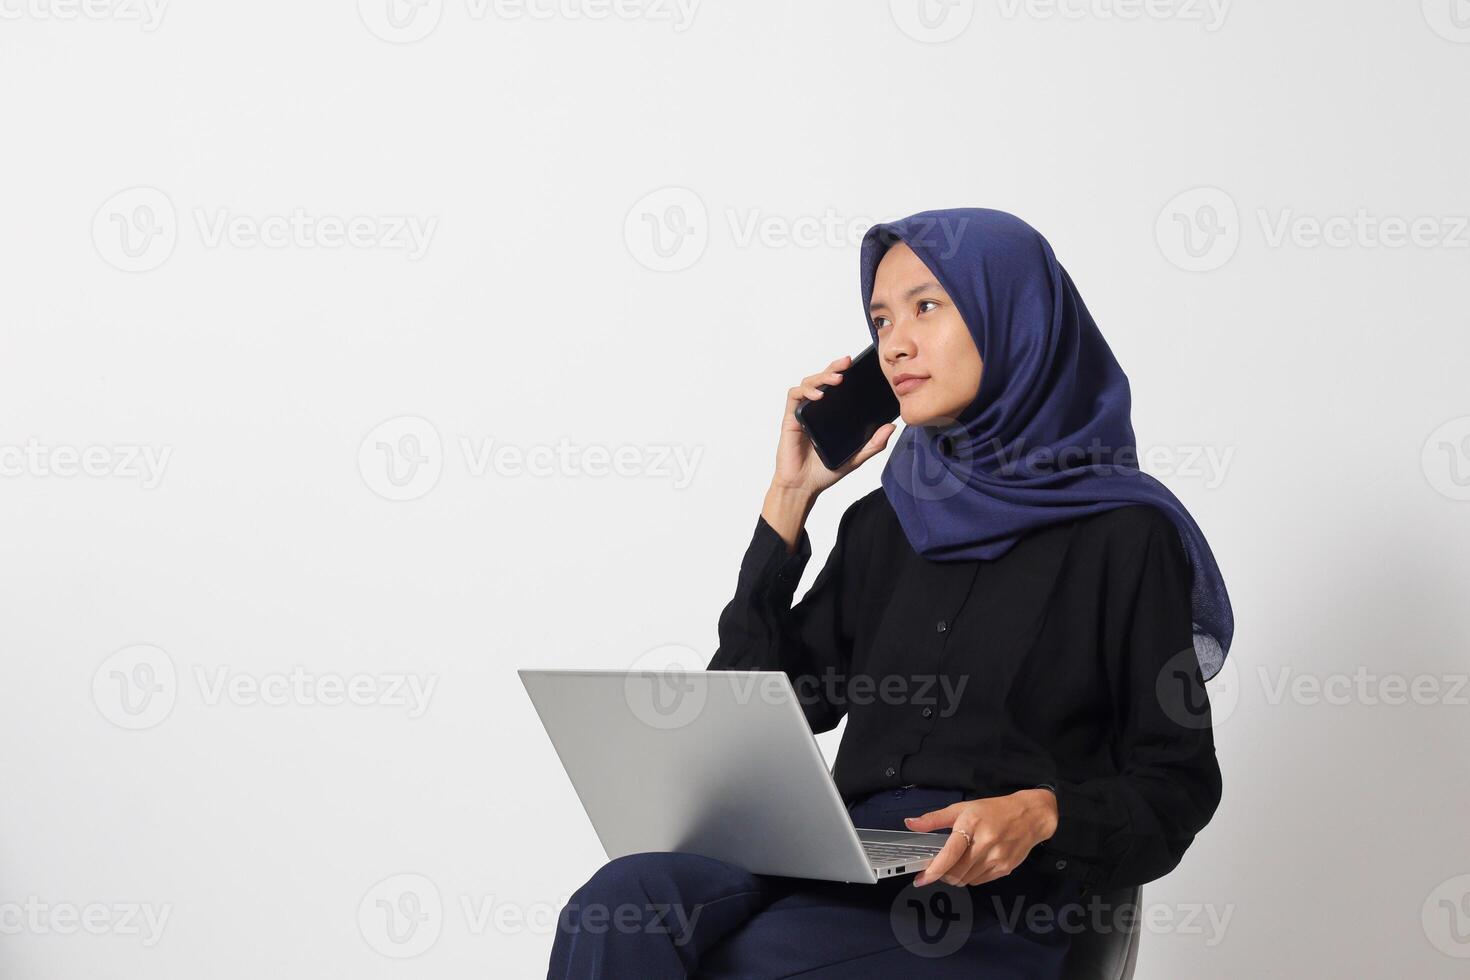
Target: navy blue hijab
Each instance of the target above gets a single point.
(1049, 436)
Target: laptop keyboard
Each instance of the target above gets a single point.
(899, 852)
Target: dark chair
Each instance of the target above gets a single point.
(1109, 954)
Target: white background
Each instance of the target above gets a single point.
(1329, 378)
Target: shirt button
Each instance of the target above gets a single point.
(941, 626)
(1061, 864)
(889, 771)
(928, 712)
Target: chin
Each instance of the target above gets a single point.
(914, 414)
(921, 412)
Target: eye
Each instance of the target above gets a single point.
(879, 321)
(932, 302)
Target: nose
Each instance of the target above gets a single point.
(896, 345)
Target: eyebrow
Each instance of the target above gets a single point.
(875, 306)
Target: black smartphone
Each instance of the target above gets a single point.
(842, 421)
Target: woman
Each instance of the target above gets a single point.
(1017, 624)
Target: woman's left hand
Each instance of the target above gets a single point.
(1004, 828)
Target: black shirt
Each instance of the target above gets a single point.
(1067, 661)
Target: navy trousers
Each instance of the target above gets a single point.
(660, 915)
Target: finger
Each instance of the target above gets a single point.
(965, 870)
(971, 855)
(875, 445)
(985, 874)
(840, 362)
(934, 819)
(812, 381)
(952, 851)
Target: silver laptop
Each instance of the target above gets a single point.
(718, 762)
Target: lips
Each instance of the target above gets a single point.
(905, 383)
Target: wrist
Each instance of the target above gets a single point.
(1042, 805)
(786, 510)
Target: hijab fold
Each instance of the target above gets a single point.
(1049, 435)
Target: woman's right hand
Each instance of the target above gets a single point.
(798, 467)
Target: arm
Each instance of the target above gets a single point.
(1133, 827)
(812, 641)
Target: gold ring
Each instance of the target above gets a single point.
(969, 841)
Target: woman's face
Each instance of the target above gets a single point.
(920, 332)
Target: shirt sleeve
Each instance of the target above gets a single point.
(1133, 827)
(812, 642)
